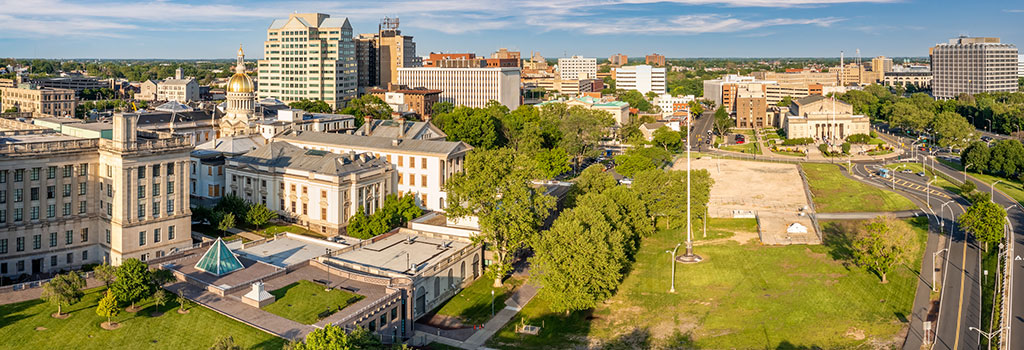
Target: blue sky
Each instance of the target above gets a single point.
(595, 28)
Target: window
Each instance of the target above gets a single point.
(20, 244)
(34, 174)
(305, 190)
(412, 179)
(83, 169)
(110, 171)
(423, 163)
(323, 194)
(170, 206)
(400, 178)
(294, 207)
(156, 170)
(18, 194)
(82, 206)
(51, 192)
(34, 213)
(67, 190)
(69, 237)
(53, 239)
(170, 187)
(85, 234)
(3, 246)
(170, 168)
(156, 209)
(170, 233)
(394, 313)
(3, 196)
(293, 188)
(51, 210)
(209, 171)
(107, 235)
(67, 170)
(53, 260)
(110, 209)
(3, 176)
(156, 190)
(70, 258)
(142, 172)
(304, 207)
(412, 162)
(423, 180)
(373, 325)
(143, 257)
(34, 193)
(3, 216)
(81, 188)
(142, 210)
(193, 168)
(19, 175)
(51, 172)
(85, 255)
(37, 241)
(400, 160)
(17, 214)
(21, 265)
(156, 235)
(323, 213)
(142, 238)
(142, 191)
(67, 209)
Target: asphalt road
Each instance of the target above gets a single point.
(699, 131)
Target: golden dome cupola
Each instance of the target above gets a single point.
(240, 82)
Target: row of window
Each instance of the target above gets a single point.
(19, 266)
(37, 240)
(143, 238)
(51, 193)
(51, 212)
(51, 172)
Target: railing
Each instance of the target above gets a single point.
(144, 145)
(48, 147)
(35, 284)
(355, 315)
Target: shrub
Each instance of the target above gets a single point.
(858, 138)
(824, 149)
(846, 147)
(798, 141)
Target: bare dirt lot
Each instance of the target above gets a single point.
(773, 191)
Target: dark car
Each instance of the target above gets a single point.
(986, 138)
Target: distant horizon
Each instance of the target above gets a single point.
(525, 57)
(193, 29)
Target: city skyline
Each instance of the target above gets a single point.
(675, 28)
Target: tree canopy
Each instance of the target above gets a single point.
(63, 290)
(395, 212)
(311, 106)
(882, 244)
(133, 281)
(984, 219)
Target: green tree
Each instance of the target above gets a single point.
(1007, 157)
(552, 162)
(105, 273)
(495, 187)
(846, 147)
(233, 204)
(882, 244)
(636, 100)
(582, 130)
(984, 219)
(670, 140)
(442, 107)
(641, 159)
(63, 290)
(976, 157)
(478, 127)
(311, 106)
(664, 192)
(952, 130)
(182, 301)
(696, 109)
(227, 221)
(786, 101)
(259, 215)
(722, 122)
(967, 187)
(395, 212)
(906, 115)
(225, 343)
(593, 179)
(133, 281)
(332, 337)
(160, 298)
(107, 306)
(368, 105)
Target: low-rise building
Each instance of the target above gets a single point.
(39, 101)
(752, 107)
(670, 105)
(417, 101)
(74, 82)
(919, 79)
(296, 119)
(401, 129)
(315, 188)
(206, 170)
(422, 166)
(824, 119)
(618, 110)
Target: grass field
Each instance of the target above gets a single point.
(28, 325)
(791, 154)
(750, 147)
(473, 304)
(303, 301)
(1012, 188)
(835, 193)
(718, 228)
(741, 297)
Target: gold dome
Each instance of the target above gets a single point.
(240, 82)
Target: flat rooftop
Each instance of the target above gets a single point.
(397, 252)
(34, 138)
(285, 251)
(251, 270)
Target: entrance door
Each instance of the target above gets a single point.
(37, 266)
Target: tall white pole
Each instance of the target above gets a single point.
(689, 257)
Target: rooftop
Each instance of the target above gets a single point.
(286, 251)
(378, 143)
(399, 252)
(285, 155)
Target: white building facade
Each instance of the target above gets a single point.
(472, 87)
(641, 78)
(973, 65)
(577, 67)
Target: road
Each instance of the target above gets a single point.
(699, 131)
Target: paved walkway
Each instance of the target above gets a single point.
(35, 293)
(252, 236)
(869, 215)
(513, 304)
(235, 309)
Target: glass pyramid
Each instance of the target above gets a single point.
(219, 260)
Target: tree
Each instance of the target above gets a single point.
(882, 244)
(105, 273)
(133, 281)
(226, 222)
(368, 105)
(1007, 157)
(182, 301)
(233, 204)
(967, 187)
(478, 127)
(722, 121)
(258, 215)
(332, 337)
(582, 130)
(225, 343)
(442, 107)
(63, 290)
(907, 115)
(846, 147)
(664, 193)
(107, 306)
(636, 100)
(495, 187)
(952, 130)
(696, 109)
(593, 179)
(395, 212)
(976, 157)
(160, 298)
(311, 106)
(670, 140)
(552, 162)
(786, 101)
(984, 219)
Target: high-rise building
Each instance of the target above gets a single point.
(641, 78)
(1020, 66)
(618, 59)
(973, 65)
(309, 56)
(367, 66)
(655, 59)
(379, 55)
(577, 67)
(881, 64)
(472, 87)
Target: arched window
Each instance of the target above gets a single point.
(437, 286)
(451, 280)
(462, 271)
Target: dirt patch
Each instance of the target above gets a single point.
(133, 309)
(110, 325)
(60, 316)
(40, 328)
(183, 311)
(669, 328)
(855, 334)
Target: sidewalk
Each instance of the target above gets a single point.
(35, 293)
(252, 236)
(513, 304)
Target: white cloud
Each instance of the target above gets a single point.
(112, 17)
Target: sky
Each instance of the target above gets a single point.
(196, 29)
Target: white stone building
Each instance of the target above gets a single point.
(669, 104)
(823, 119)
(577, 67)
(472, 87)
(641, 78)
(973, 65)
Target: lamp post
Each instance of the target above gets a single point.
(987, 335)
(942, 224)
(328, 286)
(989, 125)
(928, 191)
(689, 256)
(965, 171)
(935, 271)
(992, 191)
(894, 175)
(492, 302)
(672, 289)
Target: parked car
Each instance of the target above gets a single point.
(921, 174)
(907, 171)
(986, 138)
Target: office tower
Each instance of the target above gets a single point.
(972, 65)
(309, 56)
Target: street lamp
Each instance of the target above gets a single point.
(492, 302)
(935, 271)
(989, 125)
(988, 335)
(965, 171)
(894, 175)
(689, 257)
(942, 223)
(328, 287)
(992, 191)
(928, 191)
(672, 289)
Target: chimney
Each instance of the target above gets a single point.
(401, 127)
(367, 125)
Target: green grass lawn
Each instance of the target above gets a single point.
(473, 304)
(879, 152)
(1012, 188)
(718, 228)
(303, 301)
(20, 322)
(750, 147)
(791, 154)
(835, 193)
(741, 297)
(272, 230)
